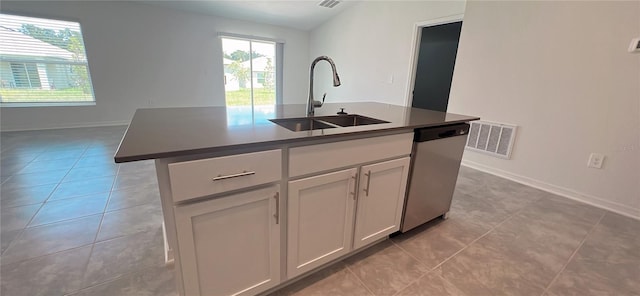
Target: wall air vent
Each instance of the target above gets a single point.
(329, 3)
(491, 138)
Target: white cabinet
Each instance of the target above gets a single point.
(380, 200)
(320, 220)
(230, 245)
(223, 214)
(309, 159)
(202, 177)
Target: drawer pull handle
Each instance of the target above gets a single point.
(354, 177)
(366, 190)
(244, 173)
(277, 214)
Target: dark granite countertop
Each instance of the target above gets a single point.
(170, 132)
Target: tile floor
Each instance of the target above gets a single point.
(74, 223)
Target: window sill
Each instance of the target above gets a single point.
(46, 104)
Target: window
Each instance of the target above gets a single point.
(25, 75)
(42, 63)
(261, 78)
(250, 70)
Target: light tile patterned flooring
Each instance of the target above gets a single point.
(74, 223)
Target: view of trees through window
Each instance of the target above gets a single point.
(249, 72)
(42, 60)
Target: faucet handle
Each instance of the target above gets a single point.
(318, 104)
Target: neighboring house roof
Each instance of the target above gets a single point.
(259, 64)
(14, 43)
(227, 61)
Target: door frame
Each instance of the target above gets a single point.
(415, 50)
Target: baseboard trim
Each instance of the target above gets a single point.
(69, 125)
(558, 190)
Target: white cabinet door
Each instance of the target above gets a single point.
(380, 200)
(320, 220)
(230, 245)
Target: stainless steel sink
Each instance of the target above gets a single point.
(350, 120)
(301, 124)
(324, 122)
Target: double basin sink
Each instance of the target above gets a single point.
(324, 122)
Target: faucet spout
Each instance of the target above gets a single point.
(312, 103)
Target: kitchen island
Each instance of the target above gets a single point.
(249, 205)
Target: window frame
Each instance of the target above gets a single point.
(278, 62)
(27, 61)
(24, 66)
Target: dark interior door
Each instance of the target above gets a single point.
(436, 59)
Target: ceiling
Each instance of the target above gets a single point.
(297, 14)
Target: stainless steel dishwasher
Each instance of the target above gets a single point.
(437, 153)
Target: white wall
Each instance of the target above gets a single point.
(371, 44)
(561, 72)
(147, 56)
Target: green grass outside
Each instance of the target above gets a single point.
(234, 98)
(242, 97)
(17, 95)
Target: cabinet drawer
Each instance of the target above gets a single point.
(315, 158)
(191, 179)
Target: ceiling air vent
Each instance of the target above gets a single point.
(495, 139)
(329, 3)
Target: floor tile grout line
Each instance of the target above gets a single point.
(482, 236)
(445, 260)
(358, 279)
(417, 260)
(95, 237)
(422, 276)
(411, 283)
(104, 210)
(65, 221)
(459, 251)
(56, 200)
(61, 221)
(44, 255)
(38, 211)
(76, 196)
(407, 252)
(19, 235)
(86, 264)
(584, 239)
(56, 188)
(127, 207)
(44, 171)
(118, 277)
(450, 283)
(29, 162)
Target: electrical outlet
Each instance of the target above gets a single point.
(595, 160)
(634, 47)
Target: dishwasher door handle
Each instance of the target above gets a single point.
(447, 134)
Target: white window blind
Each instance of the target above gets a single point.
(42, 61)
